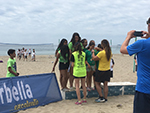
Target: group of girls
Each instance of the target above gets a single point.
(78, 62)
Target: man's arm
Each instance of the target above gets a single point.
(135, 46)
(123, 48)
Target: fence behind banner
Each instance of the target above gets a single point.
(20, 93)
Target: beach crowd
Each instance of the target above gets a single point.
(25, 54)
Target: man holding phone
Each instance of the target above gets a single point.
(142, 49)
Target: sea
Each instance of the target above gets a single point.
(41, 49)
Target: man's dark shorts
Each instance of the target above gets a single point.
(141, 103)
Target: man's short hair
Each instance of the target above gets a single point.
(10, 51)
(148, 21)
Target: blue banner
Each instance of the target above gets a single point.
(23, 92)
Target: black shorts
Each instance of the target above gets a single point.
(63, 66)
(79, 77)
(25, 56)
(111, 74)
(102, 76)
(141, 103)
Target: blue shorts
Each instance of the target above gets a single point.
(141, 103)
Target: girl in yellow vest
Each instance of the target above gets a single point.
(63, 57)
(103, 73)
(78, 60)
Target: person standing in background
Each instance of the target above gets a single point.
(29, 53)
(33, 55)
(22, 51)
(25, 55)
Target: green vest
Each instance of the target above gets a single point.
(61, 58)
(79, 69)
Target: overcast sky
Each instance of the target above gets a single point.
(46, 21)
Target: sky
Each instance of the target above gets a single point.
(47, 21)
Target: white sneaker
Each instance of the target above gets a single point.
(65, 89)
(88, 89)
(72, 88)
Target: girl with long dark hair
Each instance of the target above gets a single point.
(75, 38)
(103, 72)
(78, 60)
(63, 57)
(62, 42)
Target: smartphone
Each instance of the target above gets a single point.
(138, 33)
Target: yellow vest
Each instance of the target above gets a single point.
(79, 69)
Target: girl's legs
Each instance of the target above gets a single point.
(66, 78)
(94, 74)
(94, 82)
(71, 78)
(84, 88)
(60, 79)
(89, 78)
(105, 89)
(63, 78)
(23, 57)
(77, 88)
(29, 55)
(98, 88)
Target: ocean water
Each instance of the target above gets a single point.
(41, 49)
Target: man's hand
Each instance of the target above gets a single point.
(145, 34)
(123, 48)
(130, 34)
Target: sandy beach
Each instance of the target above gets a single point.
(123, 72)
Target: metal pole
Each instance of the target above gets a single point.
(111, 44)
